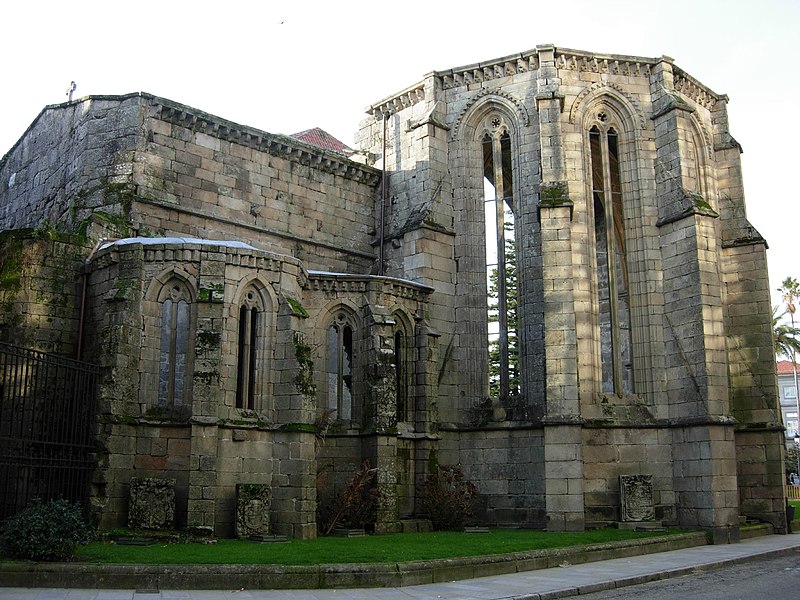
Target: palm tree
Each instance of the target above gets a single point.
(785, 336)
(790, 290)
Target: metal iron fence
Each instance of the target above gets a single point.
(47, 416)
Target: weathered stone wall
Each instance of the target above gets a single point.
(682, 205)
(701, 418)
(71, 161)
(220, 445)
(609, 453)
(506, 467)
(40, 282)
(162, 168)
(753, 383)
(140, 449)
(205, 177)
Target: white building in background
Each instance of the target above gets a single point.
(788, 397)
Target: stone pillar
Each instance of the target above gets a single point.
(426, 414)
(381, 410)
(748, 328)
(563, 468)
(294, 488)
(294, 480)
(206, 391)
(704, 467)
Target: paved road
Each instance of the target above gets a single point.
(559, 582)
(777, 578)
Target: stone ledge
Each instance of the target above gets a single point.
(220, 577)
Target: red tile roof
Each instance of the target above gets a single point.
(322, 139)
(785, 367)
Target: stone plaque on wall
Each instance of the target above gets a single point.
(253, 502)
(636, 497)
(152, 503)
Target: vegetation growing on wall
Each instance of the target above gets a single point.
(304, 380)
(10, 275)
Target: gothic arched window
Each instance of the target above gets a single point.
(174, 347)
(404, 369)
(501, 259)
(250, 349)
(340, 367)
(611, 259)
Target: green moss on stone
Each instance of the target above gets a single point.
(304, 380)
(306, 427)
(213, 292)
(554, 194)
(297, 308)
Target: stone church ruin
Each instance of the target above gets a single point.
(537, 267)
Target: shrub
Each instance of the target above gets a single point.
(447, 498)
(50, 531)
(356, 507)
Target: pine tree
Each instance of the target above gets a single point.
(512, 322)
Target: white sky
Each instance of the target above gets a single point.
(288, 66)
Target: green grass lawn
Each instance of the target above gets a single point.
(370, 549)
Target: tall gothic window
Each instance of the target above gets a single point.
(174, 347)
(250, 324)
(501, 261)
(404, 370)
(612, 270)
(340, 367)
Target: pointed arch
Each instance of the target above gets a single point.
(610, 123)
(611, 94)
(488, 202)
(167, 348)
(404, 365)
(253, 309)
(341, 335)
(695, 164)
(493, 99)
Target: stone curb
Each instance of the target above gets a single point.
(228, 577)
(649, 577)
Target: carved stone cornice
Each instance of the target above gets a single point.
(489, 70)
(589, 62)
(689, 87)
(348, 282)
(394, 104)
(277, 145)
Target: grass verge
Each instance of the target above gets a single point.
(370, 549)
